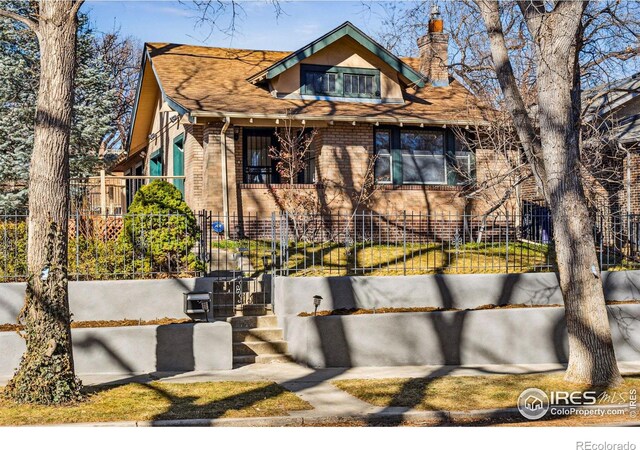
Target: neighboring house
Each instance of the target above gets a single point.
(211, 115)
(613, 110)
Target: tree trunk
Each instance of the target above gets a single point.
(46, 374)
(591, 355)
(555, 33)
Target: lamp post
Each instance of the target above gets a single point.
(316, 302)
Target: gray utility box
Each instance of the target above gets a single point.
(197, 302)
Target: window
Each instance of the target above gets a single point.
(420, 156)
(340, 81)
(308, 175)
(423, 157)
(259, 167)
(382, 167)
(321, 83)
(359, 85)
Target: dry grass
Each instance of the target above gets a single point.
(462, 393)
(161, 401)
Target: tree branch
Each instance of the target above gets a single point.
(30, 23)
(76, 7)
(490, 11)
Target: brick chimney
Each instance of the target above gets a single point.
(434, 51)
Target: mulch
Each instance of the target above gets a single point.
(107, 323)
(360, 311)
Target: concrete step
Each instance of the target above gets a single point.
(260, 359)
(246, 322)
(259, 348)
(258, 335)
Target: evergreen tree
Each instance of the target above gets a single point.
(19, 74)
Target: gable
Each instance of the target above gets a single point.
(145, 107)
(346, 30)
(344, 55)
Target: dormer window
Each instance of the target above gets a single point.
(337, 81)
(321, 83)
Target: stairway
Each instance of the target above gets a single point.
(257, 339)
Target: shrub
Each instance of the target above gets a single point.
(162, 229)
(13, 255)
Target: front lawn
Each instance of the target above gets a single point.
(464, 393)
(396, 258)
(161, 401)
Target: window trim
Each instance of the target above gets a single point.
(340, 71)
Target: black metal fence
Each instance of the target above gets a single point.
(248, 247)
(111, 247)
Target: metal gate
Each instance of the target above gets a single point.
(241, 267)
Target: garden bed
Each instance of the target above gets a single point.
(360, 311)
(107, 323)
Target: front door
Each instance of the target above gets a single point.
(178, 163)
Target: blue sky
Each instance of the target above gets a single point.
(171, 21)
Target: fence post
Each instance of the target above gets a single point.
(103, 193)
(507, 251)
(404, 243)
(273, 247)
(77, 245)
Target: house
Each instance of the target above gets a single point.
(209, 116)
(613, 109)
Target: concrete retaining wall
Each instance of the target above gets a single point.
(113, 300)
(506, 336)
(145, 349)
(293, 295)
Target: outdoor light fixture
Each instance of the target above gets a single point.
(174, 118)
(236, 133)
(152, 136)
(316, 302)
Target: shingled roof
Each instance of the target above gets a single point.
(213, 82)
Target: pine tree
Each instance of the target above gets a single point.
(93, 112)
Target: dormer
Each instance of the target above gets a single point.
(344, 65)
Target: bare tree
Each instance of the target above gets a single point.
(222, 15)
(46, 373)
(552, 149)
(122, 55)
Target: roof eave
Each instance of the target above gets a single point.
(341, 118)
